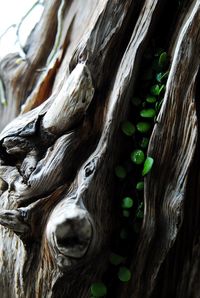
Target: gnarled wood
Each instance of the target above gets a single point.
(58, 208)
(173, 143)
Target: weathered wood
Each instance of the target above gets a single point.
(173, 143)
(57, 209)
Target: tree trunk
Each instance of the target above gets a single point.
(61, 203)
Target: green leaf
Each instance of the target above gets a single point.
(162, 62)
(140, 185)
(116, 259)
(120, 172)
(143, 127)
(147, 165)
(136, 101)
(126, 213)
(137, 156)
(148, 113)
(160, 77)
(128, 128)
(124, 274)
(157, 89)
(144, 143)
(127, 203)
(98, 289)
(151, 99)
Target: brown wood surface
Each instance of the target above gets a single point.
(60, 141)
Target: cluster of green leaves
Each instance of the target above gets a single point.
(131, 170)
(147, 104)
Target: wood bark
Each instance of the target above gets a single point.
(60, 142)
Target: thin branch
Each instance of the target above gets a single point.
(7, 29)
(59, 32)
(39, 2)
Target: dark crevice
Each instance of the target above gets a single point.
(160, 38)
(96, 111)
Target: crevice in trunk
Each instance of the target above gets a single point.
(160, 38)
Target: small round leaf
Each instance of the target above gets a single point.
(143, 127)
(124, 274)
(162, 59)
(148, 113)
(127, 203)
(98, 289)
(137, 156)
(140, 185)
(116, 259)
(120, 172)
(128, 128)
(151, 99)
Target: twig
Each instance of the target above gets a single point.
(59, 32)
(7, 29)
(22, 53)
